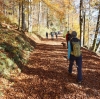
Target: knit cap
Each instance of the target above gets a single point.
(74, 34)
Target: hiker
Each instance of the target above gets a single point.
(56, 35)
(75, 55)
(68, 37)
(52, 35)
(47, 35)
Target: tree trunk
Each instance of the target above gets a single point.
(68, 19)
(4, 7)
(89, 27)
(84, 29)
(30, 19)
(28, 12)
(81, 19)
(97, 29)
(19, 16)
(39, 15)
(23, 17)
(47, 17)
(96, 33)
(13, 8)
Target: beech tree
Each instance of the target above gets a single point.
(95, 46)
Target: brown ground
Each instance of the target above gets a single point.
(46, 76)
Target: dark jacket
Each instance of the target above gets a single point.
(68, 37)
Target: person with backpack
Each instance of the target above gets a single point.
(68, 37)
(75, 55)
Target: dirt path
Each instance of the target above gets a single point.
(46, 76)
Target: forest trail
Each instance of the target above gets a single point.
(46, 77)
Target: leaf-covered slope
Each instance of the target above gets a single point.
(15, 48)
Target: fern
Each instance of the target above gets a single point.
(9, 62)
(6, 65)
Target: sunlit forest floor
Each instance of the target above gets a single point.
(46, 77)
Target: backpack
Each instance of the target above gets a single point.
(76, 49)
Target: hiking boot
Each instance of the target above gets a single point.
(79, 82)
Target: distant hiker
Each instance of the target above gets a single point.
(47, 35)
(56, 35)
(75, 55)
(58, 32)
(52, 35)
(68, 37)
